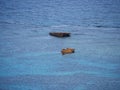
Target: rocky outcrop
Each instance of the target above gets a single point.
(63, 34)
(60, 34)
(67, 51)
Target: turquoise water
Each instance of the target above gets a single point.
(30, 59)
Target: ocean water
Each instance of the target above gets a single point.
(30, 59)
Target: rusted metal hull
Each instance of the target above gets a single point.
(67, 51)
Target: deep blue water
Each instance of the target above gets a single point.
(30, 59)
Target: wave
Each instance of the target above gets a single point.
(83, 26)
(67, 73)
(102, 26)
(7, 22)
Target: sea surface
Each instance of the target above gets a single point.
(30, 59)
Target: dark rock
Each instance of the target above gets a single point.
(60, 34)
